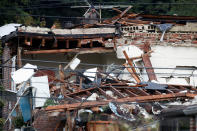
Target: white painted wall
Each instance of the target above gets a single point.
(170, 57)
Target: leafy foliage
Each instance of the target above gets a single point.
(18, 121)
(30, 12)
(1, 123)
(49, 102)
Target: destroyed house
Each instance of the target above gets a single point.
(97, 78)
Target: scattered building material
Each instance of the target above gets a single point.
(118, 92)
(133, 72)
(24, 73)
(40, 93)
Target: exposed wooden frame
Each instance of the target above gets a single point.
(77, 50)
(19, 61)
(129, 99)
(149, 68)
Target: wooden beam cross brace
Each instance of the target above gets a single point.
(118, 93)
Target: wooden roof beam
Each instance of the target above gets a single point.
(128, 99)
(76, 50)
(118, 93)
(130, 93)
(149, 69)
(104, 94)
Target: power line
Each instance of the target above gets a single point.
(48, 16)
(103, 65)
(83, 70)
(56, 5)
(145, 3)
(100, 65)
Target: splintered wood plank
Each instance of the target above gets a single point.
(148, 67)
(121, 15)
(72, 99)
(148, 98)
(76, 50)
(91, 44)
(119, 11)
(173, 89)
(43, 43)
(31, 41)
(130, 93)
(132, 70)
(62, 76)
(67, 44)
(181, 87)
(157, 92)
(77, 97)
(132, 73)
(79, 43)
(169, 91)
(140, 91)
(69, 120)
(19, 61)
(88, 93)
(55, 45)
(104, 94)
(118, 93)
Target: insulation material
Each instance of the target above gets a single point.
(93, 97)
(93, 31)
(23, 74)
(34, 29)
(90, 73)
(125, 75)
(74, 63)
(41, 89)
(7, 29)
(131, 50)
(68, 31)
(61, 31)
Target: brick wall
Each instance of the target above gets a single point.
(42, 122)
(6, 82)
(153, 38)
(192, 124)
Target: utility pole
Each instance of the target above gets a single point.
(100, 11)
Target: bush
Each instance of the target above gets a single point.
(1, 124)
(18, 122)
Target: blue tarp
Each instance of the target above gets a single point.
(163, 28)
(25, 108)
(154, 86)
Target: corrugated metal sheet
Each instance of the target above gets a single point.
(7, 29)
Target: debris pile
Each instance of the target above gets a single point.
(114, 95)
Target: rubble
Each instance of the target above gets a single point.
(132, 91)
